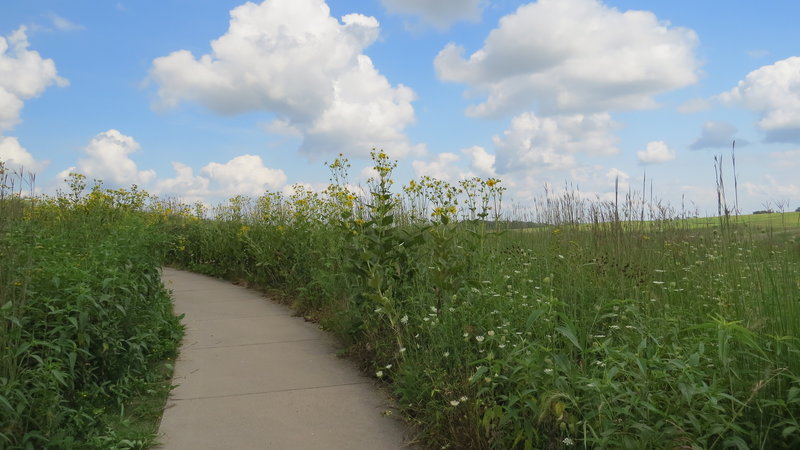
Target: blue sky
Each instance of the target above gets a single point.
(204, 100)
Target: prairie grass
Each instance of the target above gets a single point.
(607, 325)
(85, 323)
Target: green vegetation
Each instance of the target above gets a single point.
(87, 327)
(598, 330)
(590, 332)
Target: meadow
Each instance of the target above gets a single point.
(581, 324)
(87, 330)
(594, 329)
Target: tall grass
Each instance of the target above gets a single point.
(84, 318)
(594, 328)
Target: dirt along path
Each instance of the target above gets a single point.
(252, 376)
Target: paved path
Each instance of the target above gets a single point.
(252, 376)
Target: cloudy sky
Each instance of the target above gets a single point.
(205, 99)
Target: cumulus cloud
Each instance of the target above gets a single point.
(185, 184)
(242, 175)
(717, 135)
(482, 162)
(17, 158)
(617, 179)
(773, 92)
(24, 74)
(550, 143)
(771, 189)
(292, 58)
(656, 152)
(245, 175)
(108, 159)
(439, 13)
(441, 167)
(573, 55)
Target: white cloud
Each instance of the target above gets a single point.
(292, 58)
(17, 158)
(439, 13)
(24, 74)
(62, 24)
(616, 178)
(282, 127)
(773, 92)
(185, 184)
(656, 152)
(243, 175)
(482, 162)
(771, 189)
(550, 143)
(786, 159)
(717, 135)
(573, 55)
(694, 105)
(442, 167)
(108, 159)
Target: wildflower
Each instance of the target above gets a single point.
(402, 349)
(490, 332)
(388, 366)
(479, 338)
(446, 354)
(567, 441)
(454, 402)
(379, 374)
(548, 371)
(463, 398)
(404, 319)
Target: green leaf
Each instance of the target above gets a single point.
(569, 334)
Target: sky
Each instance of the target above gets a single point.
(203, 100)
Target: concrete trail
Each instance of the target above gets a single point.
(252, 376)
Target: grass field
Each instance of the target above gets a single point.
(660, 334)
(667, 333)
(87, 331)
